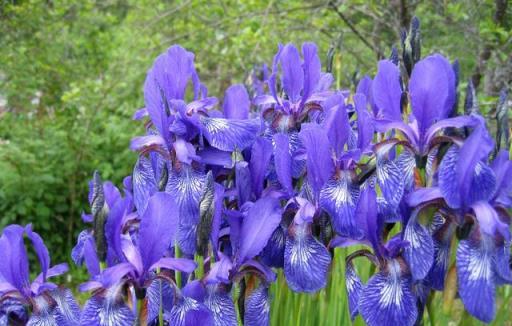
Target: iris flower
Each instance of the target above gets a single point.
(49, 304)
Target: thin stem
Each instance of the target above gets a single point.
(177, 254)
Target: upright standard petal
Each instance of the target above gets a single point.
(429, 88)
(337, 126)
(261, 154)
(17, 261)
(365, 127)
(386, 90)
(283, 161)
(42, 252)
(292, 73)
(312, 69)
(320, 166)
(236, 102)
(230, 134)
(257, 227)
(387, 298)
(157, 228)
(306, 260)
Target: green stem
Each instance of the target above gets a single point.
(140, 306)
(177, 254)
(431, 309)
(161, 309)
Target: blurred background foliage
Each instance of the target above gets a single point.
(71, 76)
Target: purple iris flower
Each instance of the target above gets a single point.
(304, 88)
(108, 209)
(389, 297)
(478, 192)
(332, 160)
(249, 230)
(143, 256)
(182, 138)
(306, 259)
(48, 303)
(431, 92)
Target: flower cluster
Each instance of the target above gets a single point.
(220, 200)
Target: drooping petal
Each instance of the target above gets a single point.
(475, 149)
(159, 295)
(157, 228)
(147, 142)
(407, 163)
(144, 183)
(306, 260)
(387, 125)
(320, 166)
(257, 227)
(273, 253)
(339, 198)
(186, 186)
(217, 157)
(476, 278)
(176, 264)
(185, 151)
(219, 301)
(447, 177)
(456, 122)
(489, 221)
(67, 312)
(387, 299)
(236, 102)
(292, 77)
(109, 311)
(354, 288)
(390, 179)
(419, 254)
(386, 90)
(442, 236)
(228, 135)
(283, 161)
(257, 307)
(189, 312)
